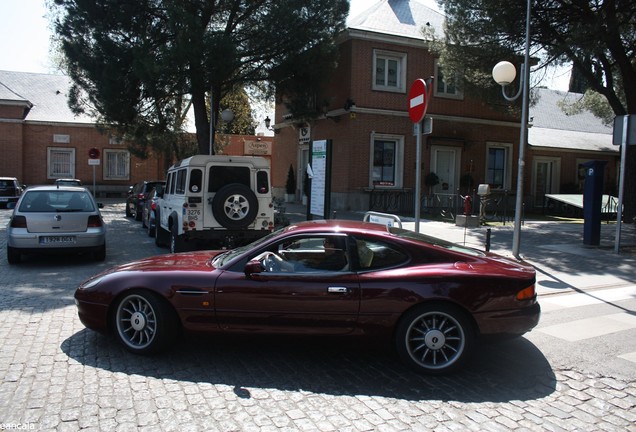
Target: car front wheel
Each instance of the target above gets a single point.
(434, 338)
(144, 323)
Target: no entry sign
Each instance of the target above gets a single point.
(418, 100)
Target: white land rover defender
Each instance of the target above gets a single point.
(220, 201)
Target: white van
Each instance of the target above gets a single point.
(215, 201)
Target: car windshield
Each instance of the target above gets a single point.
(56, 201)
(412, 235)
(220, 260)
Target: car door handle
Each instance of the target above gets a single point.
(338, 290)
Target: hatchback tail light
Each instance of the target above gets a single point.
(94, 222)
(18, 222)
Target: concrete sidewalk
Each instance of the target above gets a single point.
(555, 249)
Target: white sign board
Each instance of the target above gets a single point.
(318, 181)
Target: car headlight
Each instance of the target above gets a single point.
(91, 283)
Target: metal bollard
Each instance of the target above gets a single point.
(488, 232)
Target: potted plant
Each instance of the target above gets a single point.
(290, 186)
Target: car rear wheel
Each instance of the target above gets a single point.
(100, 254)
(13, 256)
(144, 323)
(434, 338)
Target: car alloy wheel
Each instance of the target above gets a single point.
(434, 338)
(144, 323)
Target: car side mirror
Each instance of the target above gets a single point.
(253, 268)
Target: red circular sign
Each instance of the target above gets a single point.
(418, 99)
(93, 153)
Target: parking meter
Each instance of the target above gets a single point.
(593, 202)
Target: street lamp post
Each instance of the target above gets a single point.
(504, 73)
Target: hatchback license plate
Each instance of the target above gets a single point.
(57, 239)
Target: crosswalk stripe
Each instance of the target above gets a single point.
(555, 302)
(590, 327)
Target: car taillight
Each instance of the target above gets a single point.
(153, 206)
(18, 222)
(526, 293)
(141, 196)
(94, 222)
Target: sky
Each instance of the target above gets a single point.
(24, 30)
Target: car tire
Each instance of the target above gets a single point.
(434, 338)
(176, 241)
(13, 256)
(151, 228)
(144, 323)
(137, 213)
(128, 212)
(100, 254)
(143, 221)
(235, 206)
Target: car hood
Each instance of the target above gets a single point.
(200, 261)
(194, 261)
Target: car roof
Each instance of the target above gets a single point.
(337, 225)
(8, 178)
(54, 188)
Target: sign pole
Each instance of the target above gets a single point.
(418, 173)
(621, 186)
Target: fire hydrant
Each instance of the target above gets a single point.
(468, 205)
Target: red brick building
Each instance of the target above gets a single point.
(374, 151)
(42, 140)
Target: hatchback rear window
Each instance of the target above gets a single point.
(56, 201)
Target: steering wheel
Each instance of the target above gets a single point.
(272, 262)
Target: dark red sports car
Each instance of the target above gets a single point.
(433, 298)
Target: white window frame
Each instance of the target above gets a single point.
(444, 93)
(398, 157)
(507, 167)
(50, 163)
(117, 176)
(400, 58)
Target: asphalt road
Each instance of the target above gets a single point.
(568, 374)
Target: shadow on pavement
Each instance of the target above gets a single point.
(506, 371)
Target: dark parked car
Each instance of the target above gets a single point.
(432, 298)
(10, 191)
(137, 198)
(150, 210)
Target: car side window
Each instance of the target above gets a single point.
(316, 254)
(374, 254)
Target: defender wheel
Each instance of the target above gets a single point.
(235, 206)
(434, 338)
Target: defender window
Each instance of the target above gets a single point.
(196, 181)
(181, 182)
(223, 175)
(262, 182)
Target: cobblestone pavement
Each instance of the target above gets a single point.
(56, 375)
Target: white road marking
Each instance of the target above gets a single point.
(556, 302)
(591, 327)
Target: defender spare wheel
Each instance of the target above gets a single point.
(235, 206)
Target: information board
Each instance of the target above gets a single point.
(319, 180)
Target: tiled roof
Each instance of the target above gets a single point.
(547, 113)
(553, 128)
(47, 93)
(398, 17)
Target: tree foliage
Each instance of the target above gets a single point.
(598, 37)
(140, 63)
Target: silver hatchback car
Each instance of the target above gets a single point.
(55, 219)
